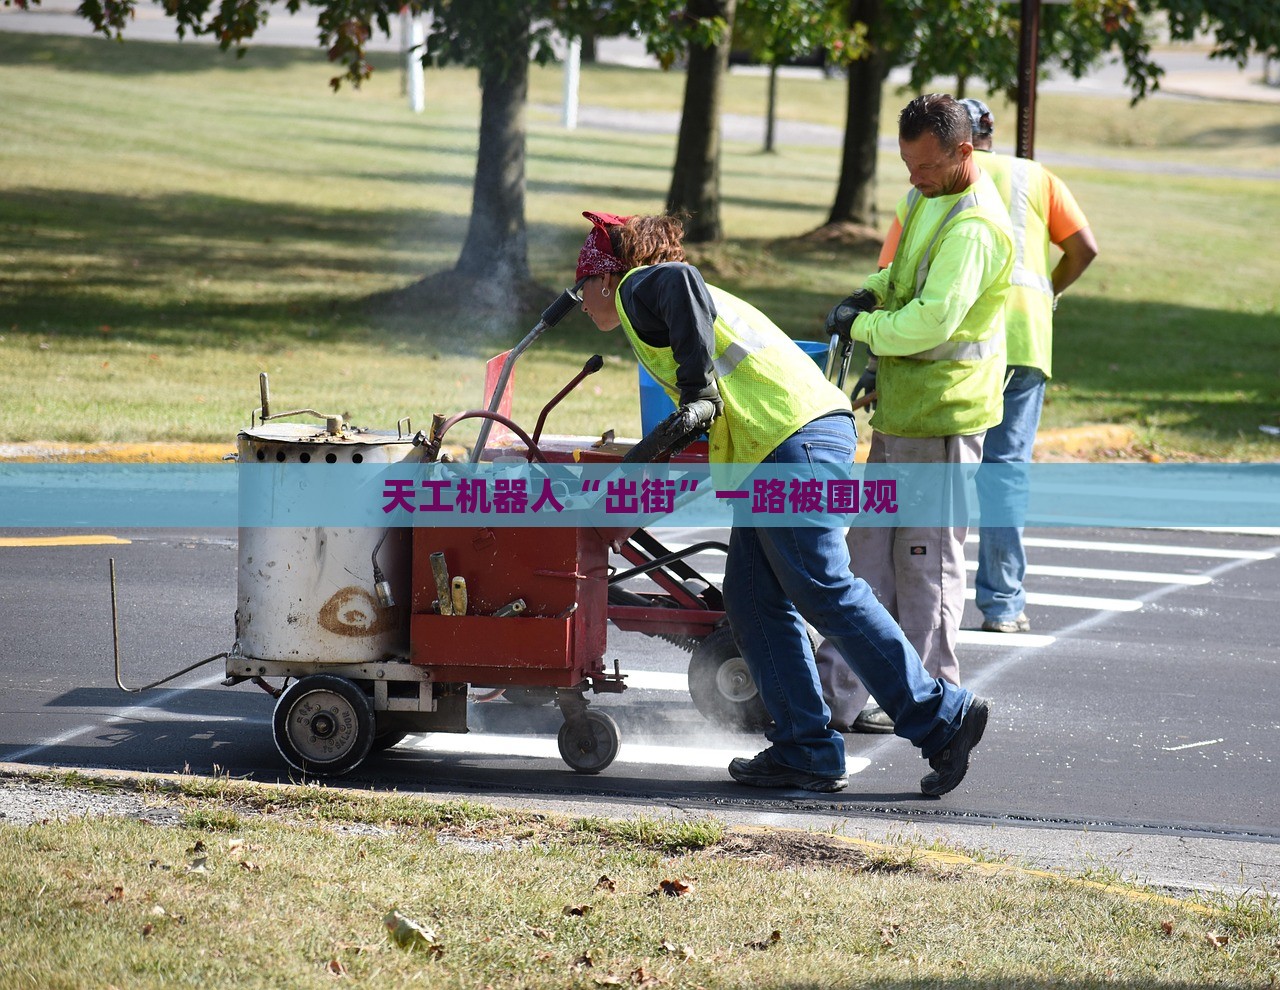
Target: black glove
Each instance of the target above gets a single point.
(840, 319)
(674, 433)
(866, 384)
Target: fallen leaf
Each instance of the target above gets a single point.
(158, 911)
(116, 895)
(408, 934)
(543, 933)
(147, 929)
(889, 934)
(252, 867)
(1166, 926)
(577, 910)
(672, 948)
(234, 844)
(584, 961)
(197, 848)
(335, 967)
(673, 888)
(765, 943)
(641, 977)
(607, 883)
(608, 980)
(1216, 939)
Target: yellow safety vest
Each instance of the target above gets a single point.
(769, 386)
(956, 387)
(1028, 309)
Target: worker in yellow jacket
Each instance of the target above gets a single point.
(935, 320)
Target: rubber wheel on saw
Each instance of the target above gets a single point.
(386, 739)
(589, 743)
(720, 684)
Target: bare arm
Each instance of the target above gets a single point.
(1078, 252)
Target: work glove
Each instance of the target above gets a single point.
(674, 433)
(866, 385)
(840, 319)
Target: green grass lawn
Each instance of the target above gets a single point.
(289, 886)
(174, 221)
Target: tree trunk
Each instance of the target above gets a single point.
(771, 109)
(856, 191)
(496, 243)
(695, 179)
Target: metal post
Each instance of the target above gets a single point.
(417, 95)
(1028, 69)
(572, 72)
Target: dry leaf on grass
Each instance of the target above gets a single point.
(116, 895)
(408, 934)
(1166, 926)
(584, 961)
(889, 934)
(335, 967)
(607, 883)
(766, 943)
(674, 949)
(673, 888)
(577, 910)
(1216, 939)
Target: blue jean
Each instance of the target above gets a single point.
(776, 578)
(1002, 559)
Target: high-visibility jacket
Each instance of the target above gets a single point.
(769, 386)
(940, 334)
(1030, 192)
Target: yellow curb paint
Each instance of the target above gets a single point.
(87, 540)
(940, 858)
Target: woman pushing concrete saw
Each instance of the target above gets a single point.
(763, 402)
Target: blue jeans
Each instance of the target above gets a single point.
(1002, 560)
(776, 578)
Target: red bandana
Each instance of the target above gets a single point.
(596, 256)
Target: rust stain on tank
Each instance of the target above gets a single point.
(352, 611)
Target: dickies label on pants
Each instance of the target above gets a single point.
(919, 551)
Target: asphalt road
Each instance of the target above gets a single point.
(1141, 712)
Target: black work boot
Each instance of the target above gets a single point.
(952, 762)
(762, 770)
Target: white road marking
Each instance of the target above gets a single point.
(133, 711)
(1077, 601)
(1098, 574)
(657, 680)
(1207, 742)
(538, 747)
(1163, 549)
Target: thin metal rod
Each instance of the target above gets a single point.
(115, 644)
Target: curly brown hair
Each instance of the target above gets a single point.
(648, 241)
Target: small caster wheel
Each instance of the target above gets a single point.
(323, 725)
(589, 742)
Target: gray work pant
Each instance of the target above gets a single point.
(916, 572)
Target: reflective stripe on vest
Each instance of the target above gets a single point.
(1019, 193)
(951, 350)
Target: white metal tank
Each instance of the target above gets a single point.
(310, 593)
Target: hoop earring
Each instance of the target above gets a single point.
(605, 291)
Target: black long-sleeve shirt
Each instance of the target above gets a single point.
(669, 306)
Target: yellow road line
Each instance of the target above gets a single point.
(87, 540)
